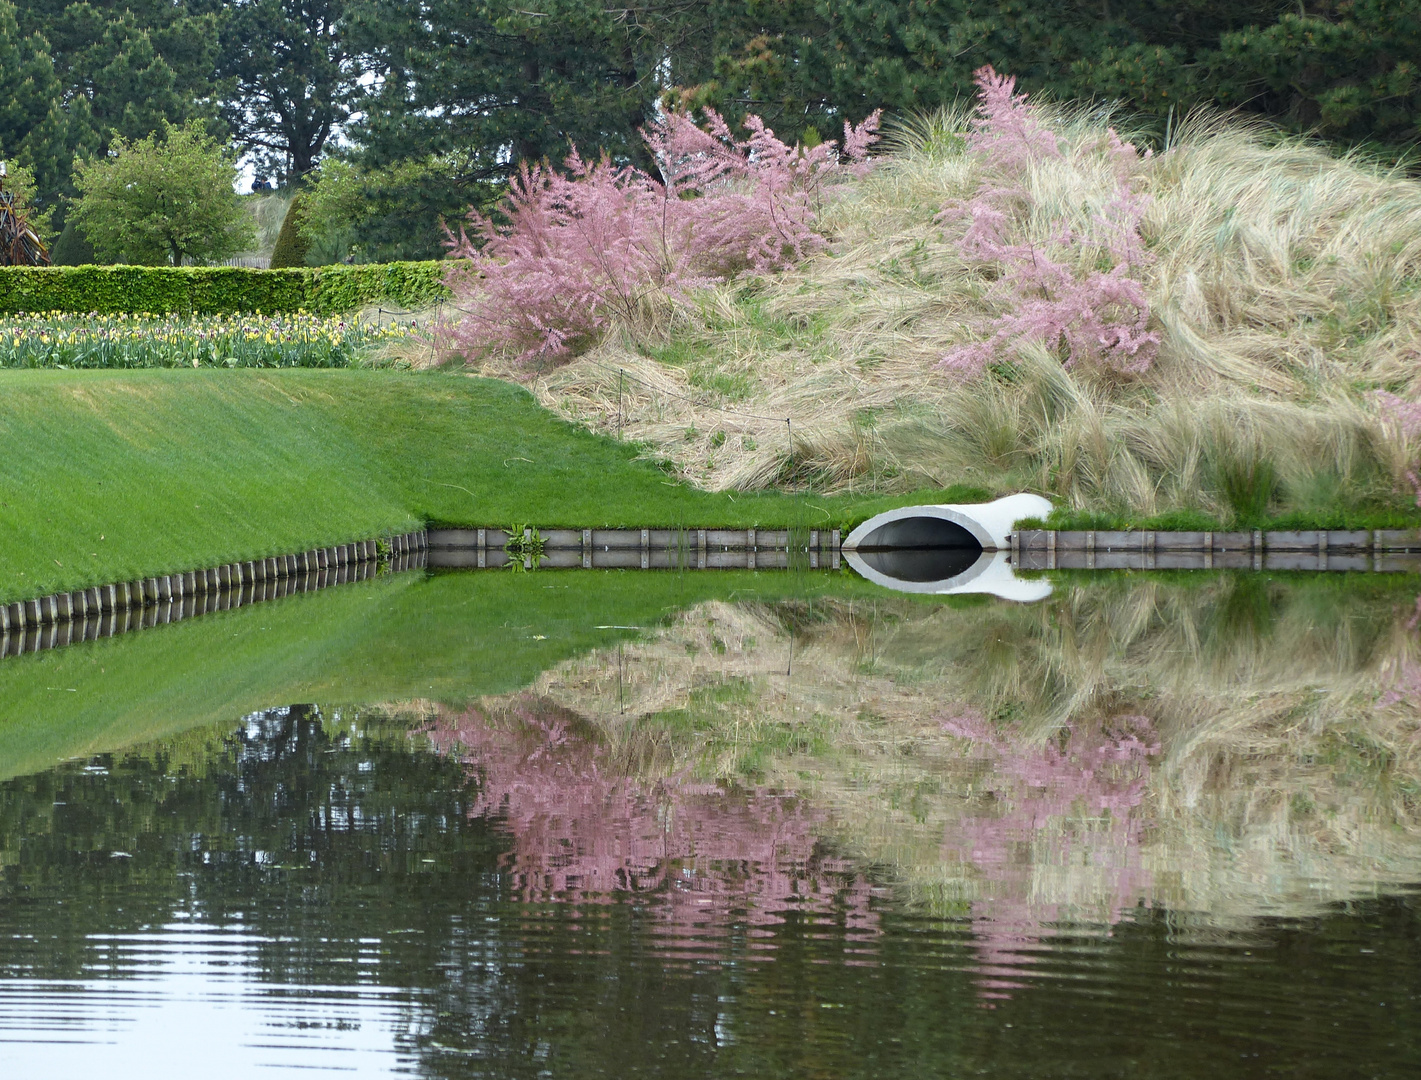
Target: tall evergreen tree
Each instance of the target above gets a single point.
(31, 127)
(1345, 69)
(289, 79)
(136, 62)
(116, 67)
(500, 82)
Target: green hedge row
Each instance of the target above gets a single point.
(214, 290)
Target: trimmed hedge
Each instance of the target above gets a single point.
(219, 290)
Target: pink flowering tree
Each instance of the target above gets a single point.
(575, 250)
(1402, 420)
(1098, 315)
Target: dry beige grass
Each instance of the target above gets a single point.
(1287, 283)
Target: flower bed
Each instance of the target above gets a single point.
(54, 340)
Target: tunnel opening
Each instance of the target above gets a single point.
(920, 549)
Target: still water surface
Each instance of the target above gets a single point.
(1148, 828)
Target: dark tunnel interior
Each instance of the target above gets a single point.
(920, 549)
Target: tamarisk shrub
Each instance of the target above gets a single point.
(1099, 315)
(578, 249)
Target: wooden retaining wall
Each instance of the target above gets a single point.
(1362, 549)
(126, 596)
(645, 549)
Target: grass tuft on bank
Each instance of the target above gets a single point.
(111, 476)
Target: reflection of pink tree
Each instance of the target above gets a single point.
(1068, 806)
(706, 856)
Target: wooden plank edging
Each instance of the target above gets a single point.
(1319, 541)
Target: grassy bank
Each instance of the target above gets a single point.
(117, 475)
(1283, 286)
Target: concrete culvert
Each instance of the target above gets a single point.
(944, 548)
(920, 549)
(920, 532)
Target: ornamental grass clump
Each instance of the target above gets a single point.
(603, 242)
(1199, 332)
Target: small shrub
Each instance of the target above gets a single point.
(291, 242)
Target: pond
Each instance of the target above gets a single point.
(772, 824)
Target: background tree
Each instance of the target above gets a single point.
(463, 92)
(501, 83)
(389, 213)
(289, 80)
(432, 100)
(123, 68)
(29, 96)
(1347, 70)
(162, 200)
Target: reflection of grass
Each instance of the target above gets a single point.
(726, 728)
(1279, 782)
(118, 475)
(447, 638)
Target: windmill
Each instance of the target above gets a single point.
(19, 244)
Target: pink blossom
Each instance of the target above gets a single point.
(1008, 130)
(582, 247)
(1101, 316)
(1404, 418)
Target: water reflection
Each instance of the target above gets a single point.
(1138, 822)
(947, 571)
(1070, 805)
(1228, 750)
(704, 855)
(917, 565)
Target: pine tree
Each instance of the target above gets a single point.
(290, 78)
(501, 83)
(29, 89)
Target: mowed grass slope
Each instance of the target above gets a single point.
(111, 476)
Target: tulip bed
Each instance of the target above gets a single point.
(300, 340)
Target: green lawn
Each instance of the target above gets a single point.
(114, 475)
